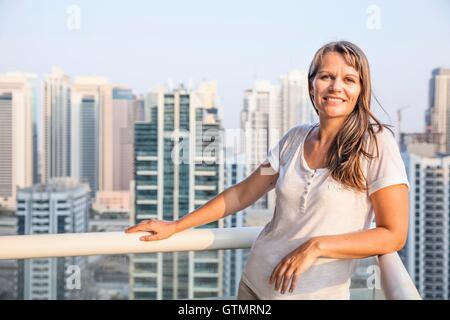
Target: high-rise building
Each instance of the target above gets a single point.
(427, 251)
(60, 206)
(36, 161)
(88, 96)
(117, 116)
(178, 168)
(438, 114)
(8, 268)
(116, 139)
(139, 108)
(17, 101)
(56, 128)
(295, 105)
(261, 128)
(103, 116)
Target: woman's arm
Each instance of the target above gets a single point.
(231, 200)
(391, 215)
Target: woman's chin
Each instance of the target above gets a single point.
(334, 111)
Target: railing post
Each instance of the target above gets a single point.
(395, 279)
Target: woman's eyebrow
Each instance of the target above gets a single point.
(348, 74)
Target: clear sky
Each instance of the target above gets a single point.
(143, 43)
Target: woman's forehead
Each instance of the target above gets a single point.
(331, 61)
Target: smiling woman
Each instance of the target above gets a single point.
(346, 168)
(331, 178)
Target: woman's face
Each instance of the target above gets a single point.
(336, 87)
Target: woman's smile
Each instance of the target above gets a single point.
(333, 101)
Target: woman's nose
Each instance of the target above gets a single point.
(336, 85)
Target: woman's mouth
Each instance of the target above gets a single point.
(333, 100)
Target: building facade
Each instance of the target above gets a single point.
(178, 168)
(88, 96)
(17, 102)
(56, 125)
(427, 252)
(296, 106)
(60, 206)
(438, 114)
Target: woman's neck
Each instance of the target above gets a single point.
(328, 129)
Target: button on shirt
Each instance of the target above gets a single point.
(311, 203)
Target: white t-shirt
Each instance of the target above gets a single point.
(311, 203)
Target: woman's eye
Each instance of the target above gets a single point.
(324, 77)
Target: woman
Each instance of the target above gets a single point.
(331, 179)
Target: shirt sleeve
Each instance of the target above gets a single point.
(388, 168)
(274, 154)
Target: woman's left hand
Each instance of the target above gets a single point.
(295, 263)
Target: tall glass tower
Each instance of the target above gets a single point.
(178, 167)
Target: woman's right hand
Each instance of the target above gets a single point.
(158, 229)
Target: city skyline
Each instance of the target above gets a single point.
(149, 110)
(141, 46)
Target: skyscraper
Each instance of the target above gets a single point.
(60, 206)
(427, 251)
(56, 125)
(178, 167)
(116, 139)
(295, 105)
(116, 121)
(8, 268)
(88, 95)
(261, 128)
(16, 134)
(438, 114)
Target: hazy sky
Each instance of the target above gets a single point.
(143, 43)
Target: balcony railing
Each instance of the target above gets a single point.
(395, 280)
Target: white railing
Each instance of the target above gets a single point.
(395, 280)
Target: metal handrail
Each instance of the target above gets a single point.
(395, 280)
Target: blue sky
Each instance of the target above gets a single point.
(143, 43)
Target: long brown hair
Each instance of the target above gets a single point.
(343, 157)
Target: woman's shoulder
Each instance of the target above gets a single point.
(384, 137)
(300, 129)
(294, 136)
(383, 133)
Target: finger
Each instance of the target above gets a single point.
(286, 281)
(278, 282)
(274, 273)
(138, 227)
(282, 281)
(279, 277)
(131, 229)
(150, 237)
(294, 279)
